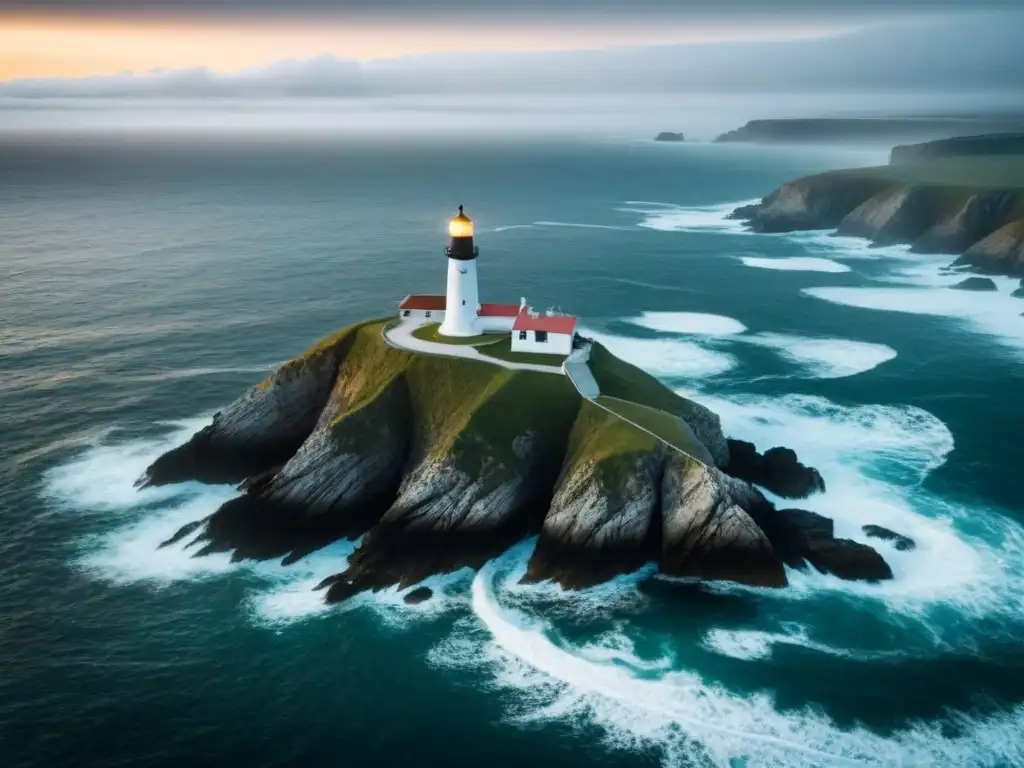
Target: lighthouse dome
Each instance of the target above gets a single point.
(460, 226)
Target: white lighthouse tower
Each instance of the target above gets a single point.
(462, 302)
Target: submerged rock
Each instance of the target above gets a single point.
(778, 469)
(976, 284)
(707, 532)
(418, 595)
(900, 542)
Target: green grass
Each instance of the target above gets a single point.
(617, 378)
(430, 332)
(668, 428)
(969, 173)
(503, 351)
(611, 444)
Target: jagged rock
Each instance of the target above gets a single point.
(893, 216)
(799, 535)
(976, 284)
(418, 595)
(1019, 293)
(814, 202)
(448, 515)
(706, 531)
(1001, 252)
(778, 469)
(600, 520)
(260, 430)
(900, 542)
(981, 214)
(669, 136)
(745, 212)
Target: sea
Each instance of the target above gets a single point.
(149, 276)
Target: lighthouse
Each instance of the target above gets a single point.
(462, 300)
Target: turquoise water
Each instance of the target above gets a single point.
(150, 279)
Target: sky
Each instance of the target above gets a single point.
(350, 47)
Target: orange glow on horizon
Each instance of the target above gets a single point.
(65, 46)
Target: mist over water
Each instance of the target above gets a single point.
(230, 256)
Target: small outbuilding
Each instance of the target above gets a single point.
(422, 307)
(543, 334)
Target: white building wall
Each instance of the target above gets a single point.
(463, 299)
(494, 324)
(422, 316)
(557, 343)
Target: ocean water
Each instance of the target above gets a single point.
(150, 278)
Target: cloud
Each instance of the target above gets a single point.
(981, 52)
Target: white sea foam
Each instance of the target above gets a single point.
(699, 218)
(994, 314)
(873, 459)
(689, 322)
(825, 358)
(640, 703)
(666, 357)
(795, 264)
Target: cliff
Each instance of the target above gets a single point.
(439, 463)
(973, 207)
(959, 146)
(865, 129)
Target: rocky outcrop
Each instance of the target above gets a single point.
(669, 136)
(1019, 292)
(893, 216)
(1001, 252)
(706, 531)
(418, 595)
(976, 284)
(813, 202)
(441, 463)
(978, 217)
(778, 470)
(898, 541)
(959, 146)
(801, 537)
(601, 519)
(262, 429)
(986, 226)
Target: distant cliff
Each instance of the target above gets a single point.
(439, 463)
(865, 129)
(959, 146)
(973, 207)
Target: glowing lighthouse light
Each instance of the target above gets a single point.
(462, 299)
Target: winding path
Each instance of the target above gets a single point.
(400, 336)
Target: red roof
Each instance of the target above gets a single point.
(498, 310)
(551, 323)
(422, 302)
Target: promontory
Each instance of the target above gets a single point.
(436, 462)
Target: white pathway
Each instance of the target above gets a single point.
(400, 336)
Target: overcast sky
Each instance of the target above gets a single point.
(380, 47)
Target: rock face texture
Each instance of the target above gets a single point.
(985, 226)
(260, 430)
(778, 469)
(707, 532)
(1001, 252)
(444, 463)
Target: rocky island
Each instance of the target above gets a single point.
(940, 197)
(669, 136)
(439, 462)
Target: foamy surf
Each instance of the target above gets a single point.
(825, 358)
(642, 703)
(666, 217)
(795, 264)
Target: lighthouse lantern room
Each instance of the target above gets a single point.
(462, 301)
